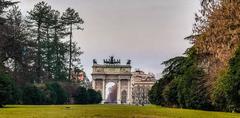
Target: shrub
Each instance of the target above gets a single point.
(84, 96)
(5, 89)
(33, 95)
(81, 96)
(57, 95)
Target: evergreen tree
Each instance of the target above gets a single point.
(36, 18)
(20, 45)
(181, 85)
(71, 18)
(59, 48)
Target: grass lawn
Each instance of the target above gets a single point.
(105, 111)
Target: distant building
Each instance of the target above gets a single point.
(141, 84)
(79, 77)
(128, 87)
(112, 71)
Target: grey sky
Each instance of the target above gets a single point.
(145, 31)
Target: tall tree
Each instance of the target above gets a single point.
(59, 48)
(20, 43)
(71, 19)
(36, 18)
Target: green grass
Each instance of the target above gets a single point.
(105, 111)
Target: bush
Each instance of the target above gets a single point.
(81, 96)
(33, 95)
(15, 95)
(84, 96)
(5, 89)
(56, 94)
(94, 97)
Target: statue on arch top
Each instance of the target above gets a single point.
(111, 61)
(94, 61)
(129, 62)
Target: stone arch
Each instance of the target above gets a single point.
(111, 92)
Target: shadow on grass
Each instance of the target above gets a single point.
(6, 107)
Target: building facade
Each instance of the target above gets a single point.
(112, 71)
(141, 84)
(127, 87)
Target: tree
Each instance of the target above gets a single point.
(19, 46)
(227, 92)
(37, 17)
(71, 18)
(181, 84)
(59, 48)
(174, 68)
(170, 93)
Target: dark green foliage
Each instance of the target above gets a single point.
(33, 95)
(191, 93)
(5, 89)
(15, 95)
(227, 93)
(81, 96)
(93, 96)
(36, 19)
(87, 96)
(57, 94)
(170, 93)
(155, 94)
(181, 84)
(48, 28)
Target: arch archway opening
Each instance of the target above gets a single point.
(111, 92)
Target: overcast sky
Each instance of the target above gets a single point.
(145, 31)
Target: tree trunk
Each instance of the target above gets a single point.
(70, 53)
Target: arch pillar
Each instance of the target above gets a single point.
(119, 92)
(128, 92)
(103, 91)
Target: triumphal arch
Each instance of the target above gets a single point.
(119, 75)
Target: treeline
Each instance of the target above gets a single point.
(37, 50)
(207, 76)
(51, 93)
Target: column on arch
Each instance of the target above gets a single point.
(128, 91)
(103, 91)
(93, 84)
(119, 92)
